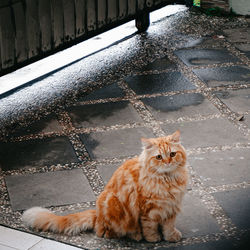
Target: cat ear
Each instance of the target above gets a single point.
(146, 143)
(175, 137)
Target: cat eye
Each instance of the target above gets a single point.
(158, 157)
(172, 154)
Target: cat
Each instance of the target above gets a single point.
(141, 200)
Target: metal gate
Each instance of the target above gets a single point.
(32, 29)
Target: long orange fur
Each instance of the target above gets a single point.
(142, 197)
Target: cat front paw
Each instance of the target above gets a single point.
(135, 236)
(174, 236)
(152, 237)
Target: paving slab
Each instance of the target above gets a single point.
(210, 245)
(195, 219)
(194, 57)
(3, 247)
(219, 168)
(243, 241)
(159, 64)
(236, 204)
(184, 105)
(116, 143)
(110, 91)
(106, 171)
(224, 75)
(51, 244)
(238, 35)
(45, 125)
(247, 120)
(245, 48)
(236, 100)
(16, 239)
(36, 153)
(212, 132)
(103, 114)
(165, 82)
(48, 189)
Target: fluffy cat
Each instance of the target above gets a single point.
(141, 200)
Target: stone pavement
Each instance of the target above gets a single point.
(189, 72)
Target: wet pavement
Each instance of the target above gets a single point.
(64, 134)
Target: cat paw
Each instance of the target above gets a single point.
(109, 234)
(174, 236)
(152, 237)
(135, 236)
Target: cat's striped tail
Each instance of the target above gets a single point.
(42, 219)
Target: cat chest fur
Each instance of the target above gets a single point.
(160, 201)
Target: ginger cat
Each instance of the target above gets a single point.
(142, 197)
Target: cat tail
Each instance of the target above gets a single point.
(42, 219)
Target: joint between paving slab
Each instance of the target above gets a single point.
(95, 180)
(73, 207)
(111, 128)
(227, 187)
(37, 136)
(79, 148)
(138, 96)
(202, 150)
(4, 193)
(152, 72)
(217, 65)
(65, 121)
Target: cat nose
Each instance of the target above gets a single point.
(167, 161)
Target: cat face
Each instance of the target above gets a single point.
(163, 154)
